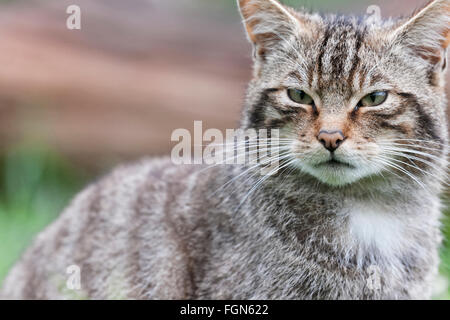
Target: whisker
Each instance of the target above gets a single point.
(249, 170)
(248, 155)
(227, 161)
(260, 181)
(415, 140)
(381, 168)
(421, 170)
(431, 156)
(389, 163)
(258, 143)
(411, 157)
(409, 146)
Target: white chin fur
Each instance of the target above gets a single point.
(336, 176)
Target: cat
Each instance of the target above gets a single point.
(354, 214)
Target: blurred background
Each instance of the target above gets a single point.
(74, 103)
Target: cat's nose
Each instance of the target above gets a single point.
(331, 139)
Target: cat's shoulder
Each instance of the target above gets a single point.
(129, 180)
(149, 170)
(140, 171)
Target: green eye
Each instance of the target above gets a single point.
(373, 99)
(300, 96)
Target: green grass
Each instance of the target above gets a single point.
(36, 183)
(445, 256)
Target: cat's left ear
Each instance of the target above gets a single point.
(427, 33)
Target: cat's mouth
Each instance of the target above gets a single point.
(334, 163)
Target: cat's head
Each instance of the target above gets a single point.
(352, 97)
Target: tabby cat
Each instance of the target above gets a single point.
(353, 213)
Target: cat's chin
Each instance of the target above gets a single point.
(336, 174)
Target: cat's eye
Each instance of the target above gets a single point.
(374, 99)
(300, 96)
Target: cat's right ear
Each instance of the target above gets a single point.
(268, 23)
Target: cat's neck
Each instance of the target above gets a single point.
(372, 221)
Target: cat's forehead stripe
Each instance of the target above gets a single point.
(357, 60)
(323, 46)
(338, 57)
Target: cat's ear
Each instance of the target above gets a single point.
(268, 23)
(427, 33)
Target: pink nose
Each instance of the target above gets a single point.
(331, 140)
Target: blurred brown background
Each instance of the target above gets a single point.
(136, 71)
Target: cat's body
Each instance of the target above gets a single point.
(141, 233)
(321, 230)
